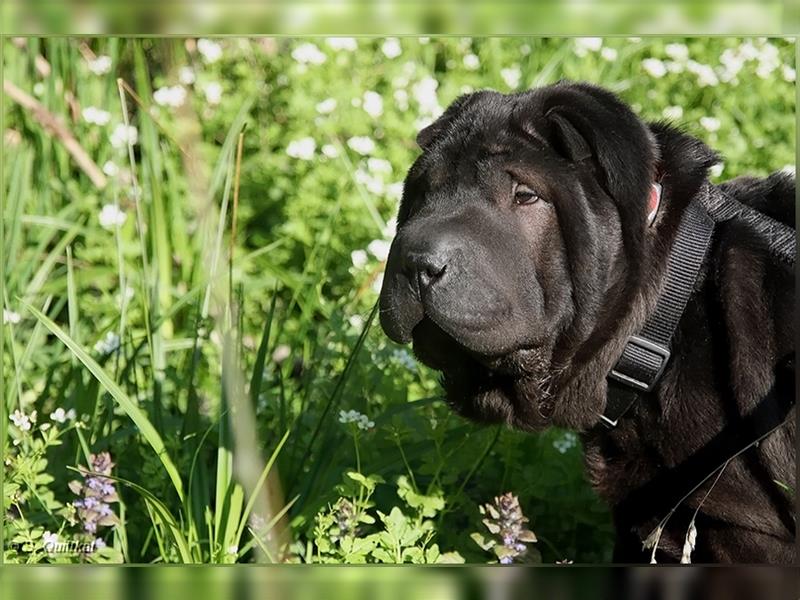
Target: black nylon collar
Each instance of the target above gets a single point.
(647, 353)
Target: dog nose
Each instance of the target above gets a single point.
(426, 266)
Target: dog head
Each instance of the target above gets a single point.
(518, 237)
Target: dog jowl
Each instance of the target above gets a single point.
(529, 250)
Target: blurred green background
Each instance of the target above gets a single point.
(194, 233)
(548, 17)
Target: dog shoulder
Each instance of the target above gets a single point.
(774, 195)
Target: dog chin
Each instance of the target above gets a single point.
(510, 389)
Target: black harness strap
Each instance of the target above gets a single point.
(647, 353)
(781, 238)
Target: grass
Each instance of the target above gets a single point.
(207, 307)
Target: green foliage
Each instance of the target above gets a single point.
(341, 532)
(210, 323)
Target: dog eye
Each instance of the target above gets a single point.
(525, 195)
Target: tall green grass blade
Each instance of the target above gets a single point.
(126, 404)
(72, 301)
(254, 494)
(258, 368)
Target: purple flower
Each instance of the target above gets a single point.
(505, 521)
(93, 508)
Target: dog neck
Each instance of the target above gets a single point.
(681, 170)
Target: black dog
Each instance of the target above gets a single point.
(534, 238)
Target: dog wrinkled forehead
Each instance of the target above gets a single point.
(472, 127)
(469, 116)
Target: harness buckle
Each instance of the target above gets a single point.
(661, 352)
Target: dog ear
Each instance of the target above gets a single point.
(600, 127)
(567, 140)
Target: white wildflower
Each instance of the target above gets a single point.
(401, 99)
(210, 50)
(186, 75)
(706, 76)
(126, 296)
(108, 344)
(768, 60)
(654, 67)
(359, 258)
(511, 76)
(342, 43)
(172, 96)
(281, 353)
(677, 52)
(110, 168)
(379, 165)
(111, 216)
(673, 112)
(567, 441)
(213, 92)
(403, 356)
(732, 62)
(391, 48)
(748, 51)
(348, 416)
(471, 62)
(379, 249)
(674, 67)
(308, 53)
(60, 415)
(330, 151)
(96, 116)
(395, 190)
(361, 144)
(49, 541)
(424, 92)
(710, 124)
(391, 227)
(583, 45)
(100, 65)
(327, 106)
(609, 54)
(377, 283)
(124, 135)
(372, 104)
(9, 316)
(21, 420)
(789, 74)
(374, 184)
(353, 416)
(303, 148)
